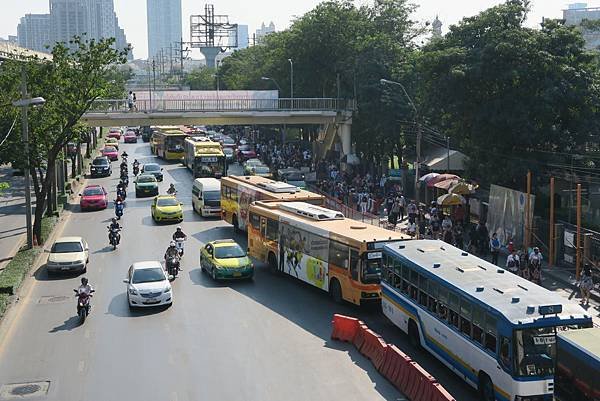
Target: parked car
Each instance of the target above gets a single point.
(148, 285)
(154, 169)
(67, 255)
(166, 208)
(93, 197)
(100, 167)
(225, 259)
(130, 137)
(111, 152)
(146, 185)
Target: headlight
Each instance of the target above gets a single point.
(133, 291)
(79, 262)
(167, 290)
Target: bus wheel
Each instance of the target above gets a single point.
(336, 291)
(485, 388)
(236, 226)
(413, 334)
(273, 263)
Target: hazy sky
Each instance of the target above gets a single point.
(132, 13)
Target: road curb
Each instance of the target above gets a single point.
(573, 286)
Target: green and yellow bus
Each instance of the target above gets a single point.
(167, 143)
(204, 158)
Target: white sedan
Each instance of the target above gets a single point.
(148, 285)
(67, 255)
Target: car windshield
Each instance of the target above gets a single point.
(167, 202)
(229, 251)
(151, 167)
(253, 162)
(93, 191)
(150, 275)
(262, 169)
(228, 141)
(110, 149)
(212, 195)
(146, 178)
(100, 162)
(294, 176)
(228, 151)
(66, 247)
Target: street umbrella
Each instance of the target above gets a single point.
(440, 178)
(427, 177)
(462, 188)
(446, 183)
(450, 200)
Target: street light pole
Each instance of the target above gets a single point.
(291, 80)
(25, 126)
(218, 83)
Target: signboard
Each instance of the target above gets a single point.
(209, 159)
(374, 255)
(396, 172)
(506, 214)
(569, 239)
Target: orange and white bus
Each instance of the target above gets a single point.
(237, 193)
(321, 247)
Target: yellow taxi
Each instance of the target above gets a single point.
(225, 259)
(166, 208)
(112, 142)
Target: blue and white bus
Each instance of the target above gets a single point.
(493, 328)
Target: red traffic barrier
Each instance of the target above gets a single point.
(359, 338)
(344, 327)
(373, 347)
(419, 387)
(439, 393)
(395, 366)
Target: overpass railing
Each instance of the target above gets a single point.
(219, 105)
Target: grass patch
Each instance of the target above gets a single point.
(14, 273)
(48, 224)
(3, 303)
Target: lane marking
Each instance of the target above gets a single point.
(81, 366)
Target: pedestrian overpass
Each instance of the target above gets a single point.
(9, 51)
(334, 115)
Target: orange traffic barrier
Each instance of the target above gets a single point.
(420, 385)
(439, 393)
(359, 338)
(394, 365)
(373, 347)
(344, 327)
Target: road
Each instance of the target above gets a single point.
(267, 339)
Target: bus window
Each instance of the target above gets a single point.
(255, 221)
(414, 283)
(490, 333)
(433, 291)
(466, 315)
(354, 259)
(443, 303)
(371, 271)
(478, 323)
(272, 230)
(338, 255)
(453, 312)
(505, 352)
(405, 281)
(422, 291)
(398, 268)
(263, 227)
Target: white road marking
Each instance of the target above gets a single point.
(81, 366)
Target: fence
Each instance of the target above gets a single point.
(208, 105)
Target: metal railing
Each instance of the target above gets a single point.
(216, 105)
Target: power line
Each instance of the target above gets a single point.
(9, 131)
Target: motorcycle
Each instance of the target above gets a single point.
(119, 206)
(136, 170)
(83, 305)
(114, 237)
(173, 266)
(179, 244)
(125, 180)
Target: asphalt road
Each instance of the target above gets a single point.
(267, 339)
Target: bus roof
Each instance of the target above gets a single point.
(336, 227)
(276, 190)
(519, 300)
(586, 341)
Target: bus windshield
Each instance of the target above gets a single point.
(371, 272)
(175, 144)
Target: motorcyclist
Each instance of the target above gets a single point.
(121, 186)
(136, 167)
(114, 225)
(85, 287)
(124, 155)
(119, 208)
(179, 234)
(172, 251)
(171, 190)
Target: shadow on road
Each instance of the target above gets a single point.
(41, 274)
(106, 249)
(68, 325)
(119, 307)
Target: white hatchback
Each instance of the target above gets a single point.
(148, 285)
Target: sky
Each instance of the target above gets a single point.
(132, 13)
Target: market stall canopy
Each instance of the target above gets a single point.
(451, 200)
(446, 183)
(437, 160)
(428, 177)
(462, 188)
(440, 178)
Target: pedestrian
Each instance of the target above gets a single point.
(402, 203)
(535, 266)
(394, 214)
(448, 237)
(513, 262)
(434, 222)
(446, 223)
(364, 202)
(586, 284)
(134, 102)
(412, 211)
(495, 248)
(459, 240)
(130, 100)
(483, 238)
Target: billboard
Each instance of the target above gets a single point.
(506, 214)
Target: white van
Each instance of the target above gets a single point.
(206, 196)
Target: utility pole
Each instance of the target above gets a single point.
(150, 86)
(527, 213)
(578, 242)
(551, 234)
(154, 73)
(447, 154)
(291, 80)
(26, 172)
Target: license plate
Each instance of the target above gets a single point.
(237, 274)
(64, 268)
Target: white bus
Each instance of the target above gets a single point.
(494, 329)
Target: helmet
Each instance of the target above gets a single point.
(178, 228)
(84, 281)
(114, 219)
(536, 249)
(172, 243)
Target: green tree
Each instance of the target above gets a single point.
(202, 78)
(505, 92)
(70, 82)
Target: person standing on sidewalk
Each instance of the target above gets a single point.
(513, 262)
(495, 248)
(535, 266)
(412, 211)
(402, 203)
(586, 284)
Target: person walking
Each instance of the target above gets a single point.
(394, 214)
(402, 203)
(412, 211)
(535, 266)
(130, 100)
(495, 248)
(586, 284)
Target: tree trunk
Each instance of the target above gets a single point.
(40, 198)
(79, 159)
(73, 166)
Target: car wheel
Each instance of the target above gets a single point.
(214, 274)
(336, 291)
(202, 269)
(485, 388)
(236, 226)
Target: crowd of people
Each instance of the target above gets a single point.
(279, 156)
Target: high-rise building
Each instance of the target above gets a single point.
(263, 31)
(90, 19)
(242, 37)
(436, 31)
(33, 32)
(579, 14)
(164, 26)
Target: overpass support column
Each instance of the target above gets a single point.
(345, 132)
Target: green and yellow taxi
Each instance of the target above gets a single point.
(166, 208)
(225, 259)
(112, 142)
(146, 185)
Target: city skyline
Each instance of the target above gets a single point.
(133, 17)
